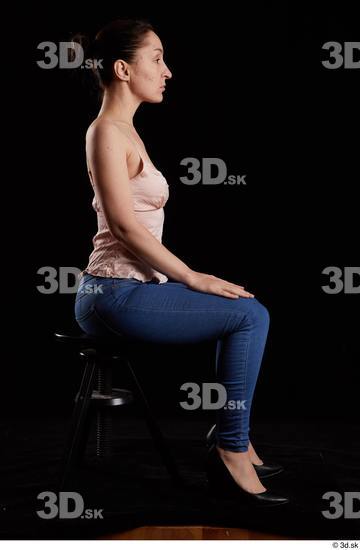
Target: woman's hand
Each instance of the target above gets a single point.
(214, 285)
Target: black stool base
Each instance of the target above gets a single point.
(99, 354)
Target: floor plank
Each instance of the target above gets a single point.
(193, 532)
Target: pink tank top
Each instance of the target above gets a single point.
(109, 258)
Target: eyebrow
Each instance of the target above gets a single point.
(159, 49)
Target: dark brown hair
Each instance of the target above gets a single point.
(118, 39)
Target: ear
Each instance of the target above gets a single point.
(121, 69)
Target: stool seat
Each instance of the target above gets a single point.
(110, 344)
(82, 338)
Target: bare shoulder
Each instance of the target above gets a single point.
(107, 133)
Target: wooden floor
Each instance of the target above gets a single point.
(193, 532)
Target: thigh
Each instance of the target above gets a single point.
(171, 312)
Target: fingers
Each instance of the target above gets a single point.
(231, 287)
(235, 291)
(240, 290)
(238, 294)
(246, 294)
(229, 295)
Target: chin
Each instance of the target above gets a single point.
(154, 100)
(158, 98)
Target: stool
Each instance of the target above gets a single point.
(99, 354)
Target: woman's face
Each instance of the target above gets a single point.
(148, 73)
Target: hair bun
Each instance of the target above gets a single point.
(86, 43)
(119, 39)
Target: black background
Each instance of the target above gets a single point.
(248, 86)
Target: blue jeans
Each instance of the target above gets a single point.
(172, 312)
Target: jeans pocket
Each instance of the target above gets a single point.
(93, 324)
(82, 314)
(121, 289)
(126, 281)
(84, 305)
(85, 320)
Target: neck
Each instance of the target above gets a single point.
(119, 104)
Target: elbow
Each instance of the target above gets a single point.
(123, 233)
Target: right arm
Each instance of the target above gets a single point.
(107, 151)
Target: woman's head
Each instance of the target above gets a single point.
(128, 53)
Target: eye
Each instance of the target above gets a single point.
(157, 60)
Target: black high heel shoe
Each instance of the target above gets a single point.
(222, 484)
(265, 470)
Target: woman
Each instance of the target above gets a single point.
(125, 288)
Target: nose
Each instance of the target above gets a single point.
(167, 73)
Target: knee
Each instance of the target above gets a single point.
(266, 315)
(259, 313)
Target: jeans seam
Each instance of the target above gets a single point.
(176, 310)
(105, 323)
(83, 317)
(246, 376)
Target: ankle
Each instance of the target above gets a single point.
(233, 456)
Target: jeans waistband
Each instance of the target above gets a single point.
(88, 277)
